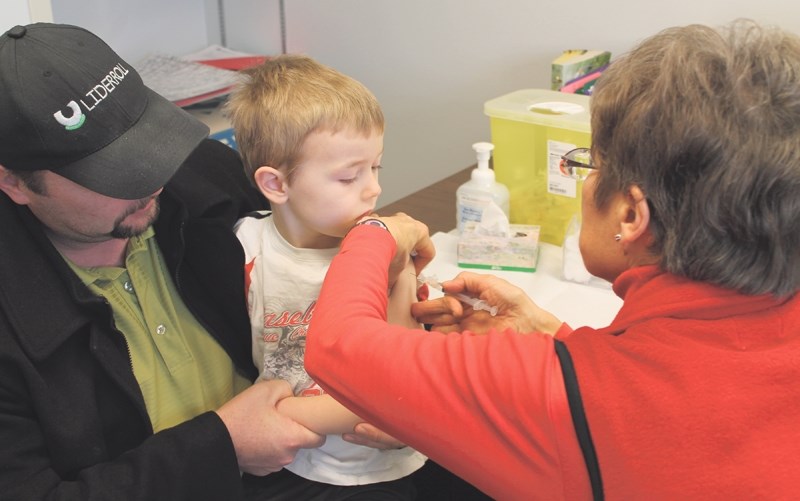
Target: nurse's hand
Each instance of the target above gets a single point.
(413, 239)
(515, 310)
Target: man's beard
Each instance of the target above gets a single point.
(122, 230)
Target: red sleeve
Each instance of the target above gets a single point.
(563, 332)
(490, 408)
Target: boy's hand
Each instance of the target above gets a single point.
(370, 436)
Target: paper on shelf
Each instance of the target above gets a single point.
(215, 52)
(178, 79)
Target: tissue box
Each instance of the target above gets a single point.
(517, 252)
(531, 129)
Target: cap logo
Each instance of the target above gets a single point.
(95, 96)
(75, 120)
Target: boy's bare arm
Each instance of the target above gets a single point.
(320, 414)
(324, 415)
(404, 293)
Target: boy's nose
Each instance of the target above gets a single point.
(374, 188)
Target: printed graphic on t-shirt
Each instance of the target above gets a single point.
(284, 343)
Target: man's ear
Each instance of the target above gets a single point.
(11, 186)
(635, 218)
(272, 183)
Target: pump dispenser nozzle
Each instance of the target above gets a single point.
(484, 151)
(483, 174)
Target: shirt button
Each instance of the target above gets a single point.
(161, 330)
(128, 286)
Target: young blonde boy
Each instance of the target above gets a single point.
(312, 140)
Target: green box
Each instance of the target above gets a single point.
(574, 64)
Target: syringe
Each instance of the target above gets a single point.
(477, 304)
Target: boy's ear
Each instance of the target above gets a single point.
(272, 184)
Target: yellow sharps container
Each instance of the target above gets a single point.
(530, 130)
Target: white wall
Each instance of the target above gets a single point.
(134, 28)
(14, 12)
(432, 64)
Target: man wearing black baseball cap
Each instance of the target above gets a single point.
(73, 106)
(124, 341)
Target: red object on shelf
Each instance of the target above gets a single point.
(235, 63)
(228, 63)
(202, 97)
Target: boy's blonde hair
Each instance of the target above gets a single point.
(279, 103)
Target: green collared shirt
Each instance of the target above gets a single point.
(181, 369)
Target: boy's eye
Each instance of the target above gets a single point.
(351, 180)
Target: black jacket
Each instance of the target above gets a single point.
(73, 423)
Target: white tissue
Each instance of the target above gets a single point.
(573, 268)
(494, 222)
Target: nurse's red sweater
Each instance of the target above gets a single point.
(692, 392)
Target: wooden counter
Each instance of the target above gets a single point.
(434, 205)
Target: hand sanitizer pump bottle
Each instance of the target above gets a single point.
(481, 190)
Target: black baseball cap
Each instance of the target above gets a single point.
(70, 104)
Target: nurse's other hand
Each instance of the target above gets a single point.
(515, 310)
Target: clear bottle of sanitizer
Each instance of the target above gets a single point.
(480, 190)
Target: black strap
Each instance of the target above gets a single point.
(579, 419)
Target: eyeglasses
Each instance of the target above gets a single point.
(576, 163)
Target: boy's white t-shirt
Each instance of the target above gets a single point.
(283, 283)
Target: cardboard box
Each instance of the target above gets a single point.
(573, 64)
(530, 130)
(517, 252)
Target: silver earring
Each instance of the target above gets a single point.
(617, 237)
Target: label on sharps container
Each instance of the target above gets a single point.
(558, 183)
